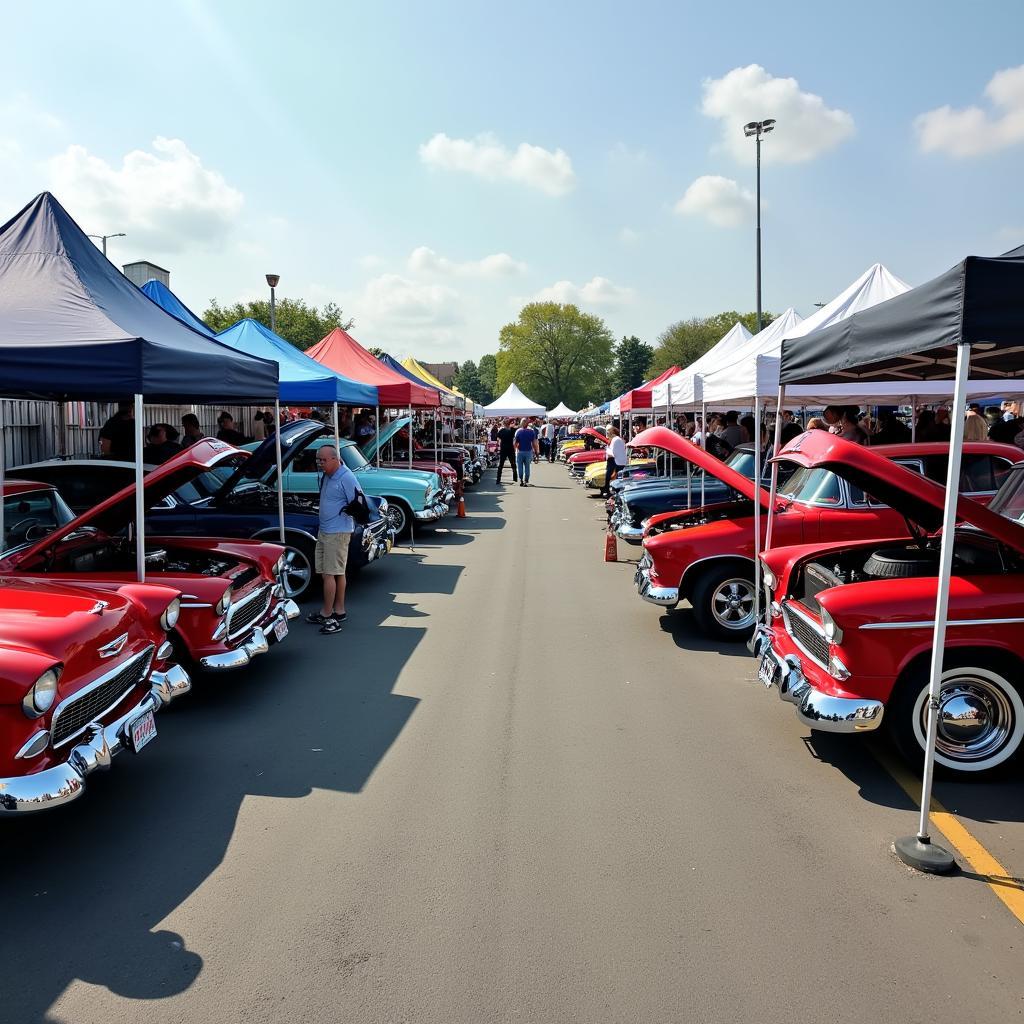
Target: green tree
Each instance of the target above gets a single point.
(555, 354)
(296, 321)
(467, 380)
(488, 371)
(632, 361)
(376, 352)
(686, 340)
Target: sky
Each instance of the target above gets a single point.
(431, 168)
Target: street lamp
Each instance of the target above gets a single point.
(756, 129)
(103, 239)
(272, 280)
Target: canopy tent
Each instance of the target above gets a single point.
(561, 411)
(974, 311)
(170, 303)
(393, 364)
(641, 398)
(678, 387)
(302, 380)
(513, 403)
(73, 326)
(340, 352)
(416, 367)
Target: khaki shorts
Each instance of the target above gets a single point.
(331, 554)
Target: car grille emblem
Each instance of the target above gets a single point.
(113, 649)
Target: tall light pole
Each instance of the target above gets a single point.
(272, 280)
(757, 129)
(103, 239)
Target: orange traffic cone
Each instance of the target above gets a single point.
(461, 514)
(611, 546)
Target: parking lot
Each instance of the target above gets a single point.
(509, 790)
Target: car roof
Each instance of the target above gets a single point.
(13, 486)
(906, 448)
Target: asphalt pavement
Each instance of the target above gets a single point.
(507, 791)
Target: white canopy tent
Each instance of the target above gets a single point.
(679, 387)
(561, 411)
(513, 403)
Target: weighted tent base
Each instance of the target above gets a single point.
(924, 855)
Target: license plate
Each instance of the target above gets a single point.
(766, 671)
(141, 731)
(280, 629)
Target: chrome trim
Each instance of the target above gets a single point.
(65, 782)
(195, 604)
(240, 656)
(144, 655)
(787, 608)
(164, 651)
(114, 648)
(258, 595)
(930, 623)
(664, 597)
(630, 534)
(26, 748)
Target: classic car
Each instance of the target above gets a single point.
(84, 672)
(393, 439)
(706, 555)
(593, 451)
(413, 496)
(230, 501)
(849, 631)
(232, 604)
(450, 478)
(594, 475)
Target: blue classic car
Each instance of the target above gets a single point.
(237, 499)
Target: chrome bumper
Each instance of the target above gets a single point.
(664, 597)
(629, 533)
(815, 709)
(66, 782)
(432, 513)
(258, 643)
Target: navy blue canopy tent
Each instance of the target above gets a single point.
(302, 380)
(72, 326)
(170, 303)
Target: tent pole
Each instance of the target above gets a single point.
(337, 431)
(140, 498)
(669, 424)
(3, 463)
(376, 421)
(757, 501)
(703, 432)
(774, 486)
(913, 417)
(280, 471)
(919, 851)
(410, 435)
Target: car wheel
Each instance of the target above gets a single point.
(981, 719)
(723, 603)
(297, 576)
(398, 517)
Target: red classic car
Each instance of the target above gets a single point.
(849, 634)
(83, 673)
(596, 443)
(232, 602)
(706, 555)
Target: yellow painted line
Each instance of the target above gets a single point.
(1009, 889)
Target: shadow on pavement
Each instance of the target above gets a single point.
(89, 884)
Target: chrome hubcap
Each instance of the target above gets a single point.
(396, 518)
(732, 604)
(975, 718)
(296, 573)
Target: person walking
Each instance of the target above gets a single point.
(506, 438)
(526, 448)
(549, 434)
(337, 489)
(616, 460)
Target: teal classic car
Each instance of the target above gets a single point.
(413, 496)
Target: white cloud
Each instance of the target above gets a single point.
(371, 262)
(973, 131)
(500, 264)
(164, 199)
(598, 291)
(628, 236)
(486, 157)
(721, 200)
(395, 300)
(806, 127)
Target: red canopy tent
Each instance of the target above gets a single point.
(641, 397)
(340, 352)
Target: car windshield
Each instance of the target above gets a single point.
(813, 486)
(207, 484)
(1009, 499)
(353, 457)
(742, 460)
(32, 515)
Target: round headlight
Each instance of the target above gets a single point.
(40, 698)
(225, 602)
(169, 619)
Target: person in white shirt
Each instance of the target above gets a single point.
(616, 459)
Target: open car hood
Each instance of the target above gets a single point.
(595, 434)
(262, 462)
(116, 512)
(369, 449)
(662, 437)
(915, 497)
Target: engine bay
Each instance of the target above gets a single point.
(111, 554)
(708, 514)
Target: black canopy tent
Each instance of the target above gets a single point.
(970, 318)
(73, 327)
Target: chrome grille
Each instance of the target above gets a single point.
(247, 611)
(807, 635)
(96, 699)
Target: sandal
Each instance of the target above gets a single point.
(331, 626)
(316, 619)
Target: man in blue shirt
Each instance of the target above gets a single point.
(526, 448)
(338, 487)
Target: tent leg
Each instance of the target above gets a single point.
(774, 486)
(140, 498)
(376, 421)
(410, 436)
(703, 443)
(757, 508)
(913, 417)
(3, 463)
(337, 430)
(919, 851)
(280, 472)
